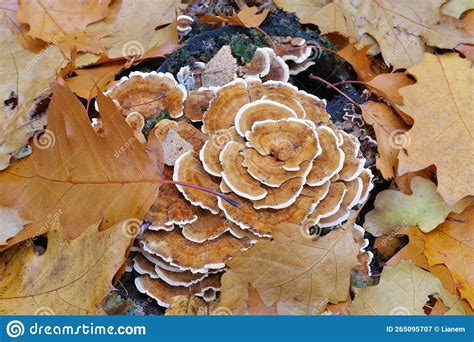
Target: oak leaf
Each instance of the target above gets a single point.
(89, 178)
(403, 290)
(424, 208)
(403, 29)
(70, 278)
(358, 60)
(450, 244)
(11, 224)
(247, 17)
(297, 274)
(387, 126)
(440, 103)
(25, 83)
(87, 81)
(63, 22)
(140, 27)
(304, 9)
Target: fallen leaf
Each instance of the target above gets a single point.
(297, 274)
(403, 290)
(359, 61)
(388, 85)
(455, 8)
(425, 208)
(185, 305)
(388, 128)
(440, 103)
(140, 26)
(70, 278)
(63, 23)
(451, 244)
(403, 28)
(71, 164)
(247, 17)
(304, 9)
(87, 81)
(25, 82)
(11, 224)
(257, 307)
(468, 27)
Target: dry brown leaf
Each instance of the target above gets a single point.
(11, 223)
(140, 28)
(451, 244)
(402, 28)
(387, 85)
(403, 290)
(257, 307)
(304, 9)
(71, 164)
(248, 17)
(297, 274)
(359, 61)
(25, 82)
(64, 22)
(388, 128)
(70, 278)
(440, 102)
(468, 26)
(87, 81)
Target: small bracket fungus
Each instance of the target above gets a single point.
(148, 94)
(183, 23)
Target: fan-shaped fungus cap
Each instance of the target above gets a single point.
(367, 185)
(206, 227)
(175, 249)
(189, 169)
(282, 197)
(269, 171)
(330, 161)
(259, 65)
(353, 165)
(163, 292)
(209, 153)
(162, 128)
(314, 107)
(297, 54)
(184, 23)
(279, 70)
(197, 103)
(149, 94)
(229, 99)
(330, 204)
(136, 122)
(236, 176)
(258, 111)
(169, 208)
(351, 197)
(291, 140)
(261, 221)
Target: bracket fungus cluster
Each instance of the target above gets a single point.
(266, 145)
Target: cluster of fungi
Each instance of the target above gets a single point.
(270, 148)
